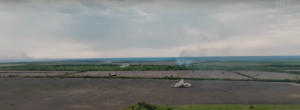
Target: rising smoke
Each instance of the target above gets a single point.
(183, 61)
(124, 65)
(207, 46)
(182, 84)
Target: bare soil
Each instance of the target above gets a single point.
(35, 73)
(184, 74)
(115, 94)
(270, 75)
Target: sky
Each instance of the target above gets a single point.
(58, 29)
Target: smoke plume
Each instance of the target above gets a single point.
(183, 61)
(124, 65)
(182, 84)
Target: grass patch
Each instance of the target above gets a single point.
(298, 81)
(142, 105)
(215, 65)
(237, 107)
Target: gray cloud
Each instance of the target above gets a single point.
(97, 27)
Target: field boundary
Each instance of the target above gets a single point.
(245, 75)
(129, 77)
(147, 106)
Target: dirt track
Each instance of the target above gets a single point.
(114, 94)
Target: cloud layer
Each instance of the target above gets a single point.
(147, 28)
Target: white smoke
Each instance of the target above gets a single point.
(183, 61)
(124, 65)
(98, 67)
(181, 84)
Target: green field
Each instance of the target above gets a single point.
(278, 66)
(232, 107)
(145, 106)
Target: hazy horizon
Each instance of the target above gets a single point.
(66, 29)
(162, 59)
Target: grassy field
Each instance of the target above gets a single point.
(41, 76)
(3, 65)
(115, 67)
(278, 66)
(238, 107)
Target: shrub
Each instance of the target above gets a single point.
(142, 105)
(169, 108)
(145, 104)
(82, 70)
(298, 81)
(12, 75)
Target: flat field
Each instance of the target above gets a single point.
(35, 73)
(270, 75)
(115, 94)
(184, 74)
(221, 107)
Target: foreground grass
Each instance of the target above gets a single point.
(142, 105)
(234, 107)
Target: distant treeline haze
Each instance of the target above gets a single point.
(114, 67)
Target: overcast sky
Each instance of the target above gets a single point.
(38, 29)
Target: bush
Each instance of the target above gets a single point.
(169, 108)
(142, 105)
(146, 105)
(82, 70)
(298, 81)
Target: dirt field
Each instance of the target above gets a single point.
(270, 75)
(183, 74)
(34, 73)
(114, 94)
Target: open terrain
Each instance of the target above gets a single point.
(115, 94)
(215, 107)
(183, 74)
(270, 75)
(36, 73)
(285, 66)
(82, 85)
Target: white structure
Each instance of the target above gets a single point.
(124, 65)
(181, 83)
